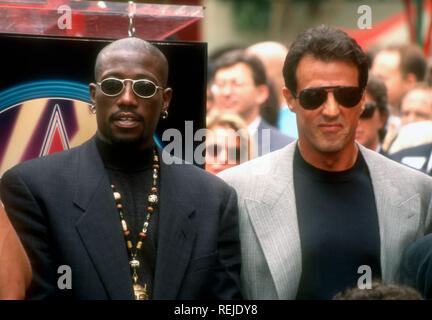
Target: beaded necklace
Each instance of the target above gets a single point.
(140, 291)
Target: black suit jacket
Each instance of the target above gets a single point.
(64, 212)
(416, 266)
(423, 151)
(277, 140)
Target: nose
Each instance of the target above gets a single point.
(127, 98)
(331, 108)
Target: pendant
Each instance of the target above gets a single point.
(140, 292)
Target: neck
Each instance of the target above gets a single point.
(373, 145)
(125, 157)
(329, 161)
(250, 115)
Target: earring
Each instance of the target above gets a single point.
(164, 115)
(92, 109)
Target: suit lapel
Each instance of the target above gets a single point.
(176, 234)
(397, 209)
(99, 226)
(274, 219)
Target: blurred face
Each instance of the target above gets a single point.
(386, 65)
(367, 128)
(416, 106)
(127, 118)
(331, 127)
(234, 90)
(222, 149)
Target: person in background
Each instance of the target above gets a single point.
(416, 119)
(273, 54)
(401, 67)
(15, 270)
(416, 104)
(227, 142)
(371, 125)
(240, 86)
(416, 267)
(418, 157)
(380, 291)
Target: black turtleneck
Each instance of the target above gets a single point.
(338, 226)
(130, 170)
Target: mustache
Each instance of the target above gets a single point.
(138, 116)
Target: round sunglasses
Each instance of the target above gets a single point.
(313, 98)
(143, 88)
(368, 110)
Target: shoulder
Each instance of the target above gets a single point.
(51, 165)
(421, 150)
(190, 177)
(260, 169)
(400, 174)
(275, 133)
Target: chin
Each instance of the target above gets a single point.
(127, 141)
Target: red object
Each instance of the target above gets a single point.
(56, 143)
(92, 19)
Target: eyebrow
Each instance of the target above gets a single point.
(138, 76)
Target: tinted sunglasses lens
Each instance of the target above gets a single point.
(368, 111)
(145, 88)
(348, 96)
(312, 98)
(111, 87)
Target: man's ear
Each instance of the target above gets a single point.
(92, 88)
(167, 95)
(263, 94)
(383, 118)
(289, 98)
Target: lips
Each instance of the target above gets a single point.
(126, 119)
(330, 127)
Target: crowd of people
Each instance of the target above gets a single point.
(318, 159)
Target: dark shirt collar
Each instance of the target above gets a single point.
(124, 157)
(328, 176)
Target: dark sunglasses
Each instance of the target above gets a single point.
(142, 87)
(368, 110)
(312, 98)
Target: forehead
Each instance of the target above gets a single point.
(386, 62)
(417, 98)
(312, 72)
(238, 70)
(132, 64)
(221, 134)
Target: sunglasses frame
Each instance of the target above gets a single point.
(325, 89)
(133, 87)
(369, 107)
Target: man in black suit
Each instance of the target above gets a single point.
(240, 86)
(418, 157)
(416, 266)
(123, 222)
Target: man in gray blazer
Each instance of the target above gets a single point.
(325, 213)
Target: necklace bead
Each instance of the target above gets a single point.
(153, 201)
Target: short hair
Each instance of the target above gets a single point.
(412, 60)
(377, 89)
(234, 57)
(326, 44)
(380, 291)
(132, 44)
(235, 122)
